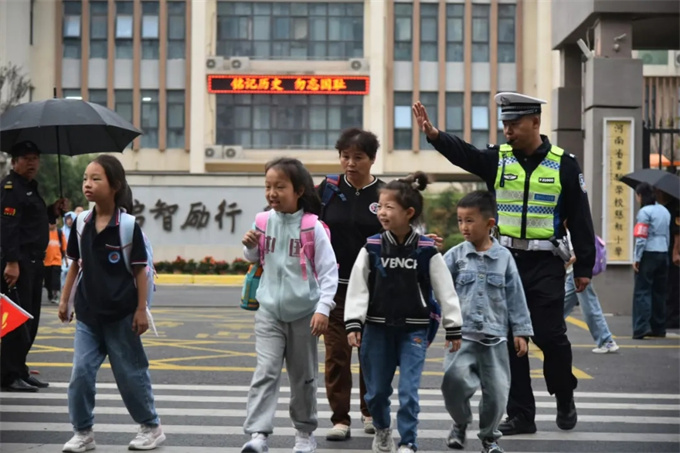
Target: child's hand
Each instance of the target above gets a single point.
(140, 323)
(354, 339)
(251, 239)
(521, 346)
(62, 313)
(319, 324)
(438, 240)
(453, 345)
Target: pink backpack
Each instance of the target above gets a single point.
(306, 238)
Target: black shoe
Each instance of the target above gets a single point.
(516, 425)
(641, 336)
(657, 335)
(35, 382)
(19, 386)
(566, 414)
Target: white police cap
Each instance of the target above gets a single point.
(515, 105)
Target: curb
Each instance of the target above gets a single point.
(200, 280)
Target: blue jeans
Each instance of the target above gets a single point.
(649, 295)
(382, 350)
(473, 366)
(590, 306)
(129, 365)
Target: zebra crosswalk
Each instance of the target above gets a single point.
(208, 418)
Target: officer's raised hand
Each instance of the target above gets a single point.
(424, 121)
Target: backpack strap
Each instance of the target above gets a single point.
(307, 250)
(261, 226)
(126, 229)
(82, 218)
(331, 188)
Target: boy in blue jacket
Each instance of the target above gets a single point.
(493, 303)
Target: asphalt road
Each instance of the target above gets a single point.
(203, 359)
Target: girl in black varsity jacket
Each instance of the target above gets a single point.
(391, 313)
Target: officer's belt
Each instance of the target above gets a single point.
(526, 244)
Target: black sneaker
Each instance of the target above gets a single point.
(516, 425)
(490, 446)
(456, 439)
(566, 414)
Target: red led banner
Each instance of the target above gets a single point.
(287, 84)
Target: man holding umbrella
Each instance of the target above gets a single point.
(24, 236)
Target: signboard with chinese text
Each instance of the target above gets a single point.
(617, 198)
(287, 84)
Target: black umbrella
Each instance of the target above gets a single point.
(664, 181)
(66, 127)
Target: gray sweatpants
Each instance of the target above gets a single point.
(472, 366)
(275, 341)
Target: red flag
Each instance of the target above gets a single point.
(12, 315)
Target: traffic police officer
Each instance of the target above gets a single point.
(538, 187)
(24, 234)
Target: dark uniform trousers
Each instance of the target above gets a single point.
(27, 294)
(338, 365)
(543, 277)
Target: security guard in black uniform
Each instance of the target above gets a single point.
(24, 234)
(538, 187)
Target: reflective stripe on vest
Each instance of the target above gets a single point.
(543, 191)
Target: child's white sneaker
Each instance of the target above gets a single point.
(304, 443)
(81, 441)
(607, 347)
(406, 449)
(257, 444)
(382, 441)
(147, 438)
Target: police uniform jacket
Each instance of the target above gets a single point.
(394, 287)
(24, 224)
(573, 203)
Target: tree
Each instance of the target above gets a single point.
(13, 88)
(441, 216)
(72, 169)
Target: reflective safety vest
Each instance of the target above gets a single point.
(530, 202)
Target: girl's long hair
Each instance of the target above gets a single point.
(115, 174)
(301, 180)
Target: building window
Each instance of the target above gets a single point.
(98, 97)
(285, 121)
(71, 29)
(429, 100)
(454, 113)
(480, 33)
(149, 119)
(123, 104)
(175, 126)
(332, 31)
(124, 13)
(99, 23)
(176, 30)
(455, 23)
(403, 118)
(480, 120)
(403, 32)
(428, 31)
(71, 93)
(506, 33)
(150, 30)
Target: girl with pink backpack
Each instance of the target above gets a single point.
(295, 296)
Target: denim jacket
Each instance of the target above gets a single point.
(490, 291)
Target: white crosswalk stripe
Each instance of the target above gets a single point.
(205, 418)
